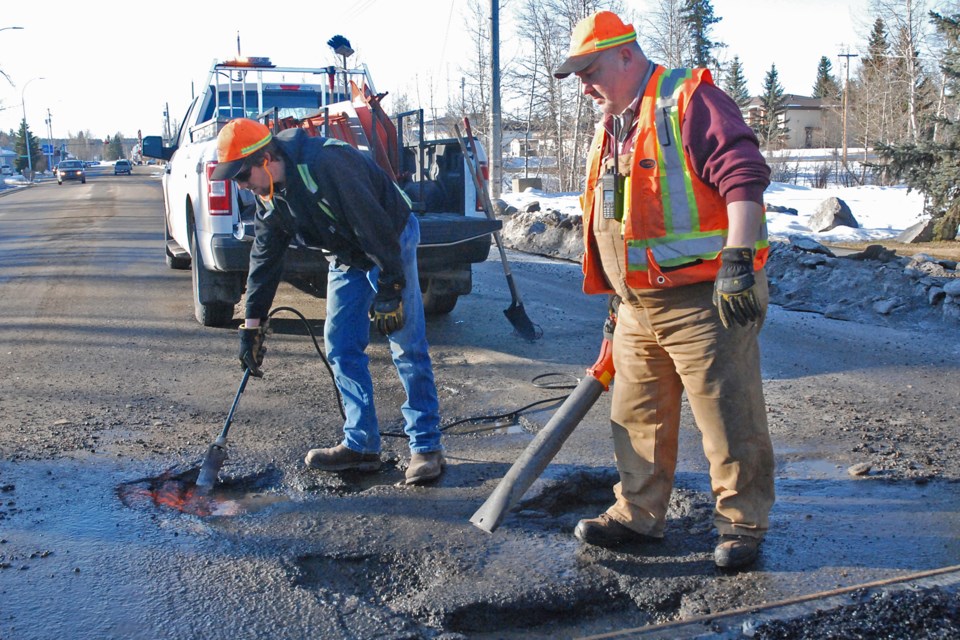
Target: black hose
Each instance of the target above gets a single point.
(473, 419)
(316, 345)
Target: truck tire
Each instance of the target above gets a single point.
(174, 262)
(435, 304)
(209, 314)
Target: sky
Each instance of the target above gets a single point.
(111, 67)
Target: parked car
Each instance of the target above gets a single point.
(6, 170)
(71, 170)
(122, 166)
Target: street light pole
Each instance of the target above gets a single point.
(26, 131)
(1, 70)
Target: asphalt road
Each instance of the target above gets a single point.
(111, 393)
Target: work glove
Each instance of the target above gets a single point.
(252, 349)
(613, 307)
(387, 309)
(734, 290)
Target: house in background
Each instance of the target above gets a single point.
(811, 122)
(7, 156)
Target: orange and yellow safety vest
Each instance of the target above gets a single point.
(674, 224)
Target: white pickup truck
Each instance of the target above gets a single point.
(209, 224)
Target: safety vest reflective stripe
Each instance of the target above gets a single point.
(674, 253)
(403, 195)
(679, 205)
(313, 187)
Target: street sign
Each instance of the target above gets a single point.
(47, 148)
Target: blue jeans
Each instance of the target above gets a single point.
(346, 333)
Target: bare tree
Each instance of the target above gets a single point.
(907, 20)
(475, 100)
(665, 36)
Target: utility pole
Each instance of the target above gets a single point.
(496, 168)
(846, 91)
(49, 139)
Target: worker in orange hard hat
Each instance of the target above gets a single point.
(674, 226)
(322, 193)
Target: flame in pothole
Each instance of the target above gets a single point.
(179, 492)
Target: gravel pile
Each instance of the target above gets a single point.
(902, 615)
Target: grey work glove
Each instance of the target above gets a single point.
(733, 291)
(387, 309)
(610, 324)
(252, 348)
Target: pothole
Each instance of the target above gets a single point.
(178, 492)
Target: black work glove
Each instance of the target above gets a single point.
(252, 349)
(387, 309)
(734, 290)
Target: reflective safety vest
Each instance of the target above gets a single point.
(674, 224)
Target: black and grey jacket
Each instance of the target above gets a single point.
(334, 198)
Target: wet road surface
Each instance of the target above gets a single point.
(112, 393)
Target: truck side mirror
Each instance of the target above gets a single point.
(153, 148)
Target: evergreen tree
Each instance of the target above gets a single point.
(735, 84)
(697, 16)
(878, 47)
(771, 127)
(115, 148)
(21, 163)
(930, 166)
(826, 86)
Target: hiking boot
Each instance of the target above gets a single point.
(425, 467)
(734, 552)
(340, 458)
(604, 531)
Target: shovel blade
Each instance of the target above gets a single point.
(210, 470)
(522, 324)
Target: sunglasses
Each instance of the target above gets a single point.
(243, 175)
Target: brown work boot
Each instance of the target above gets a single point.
(340, 458)
(735, 552)
(425, 467)
(604, 531)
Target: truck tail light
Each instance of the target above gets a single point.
(485, 172)
(219, 202)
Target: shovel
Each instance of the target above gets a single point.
(217, 453)
(515, 313)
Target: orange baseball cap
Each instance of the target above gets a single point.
(592, 35)
(237, 140)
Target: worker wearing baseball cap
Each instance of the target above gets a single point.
(321, 193)
(674, 228)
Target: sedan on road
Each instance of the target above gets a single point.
(71, 170)
(122, 166)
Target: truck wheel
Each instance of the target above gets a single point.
(209, 314)
(436, 304)
(174, 262)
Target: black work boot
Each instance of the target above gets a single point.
(736, 552)
(604, 531)
(340, 458)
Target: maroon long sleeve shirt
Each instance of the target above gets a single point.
(724, 151)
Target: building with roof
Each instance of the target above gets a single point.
(811, 123)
